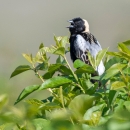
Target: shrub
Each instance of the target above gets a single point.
(75, 102)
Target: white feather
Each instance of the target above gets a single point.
(82, 44)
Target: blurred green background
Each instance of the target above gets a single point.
(25, 24)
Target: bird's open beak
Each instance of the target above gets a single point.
(71, 26)
(70, 21)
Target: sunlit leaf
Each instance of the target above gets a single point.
(100, 56)
(92, 60)
(60, 51)
(28, 57)
(80, 104)
(35, 102)
(57, 41)
(93, 115)
(6, 126)
(127, 71)
(40, 57)
(48, 49)
(124, 49)
(119, 54)
(26, 91)
(54, 82)
(117, 85)
(86, 84)
(64, 41)
(127, 105)
(20, 69)
(60, 114)
(41, 124)
(3, 100)
(112, 61)
(113, 70)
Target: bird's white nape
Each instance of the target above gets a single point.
(86, 26)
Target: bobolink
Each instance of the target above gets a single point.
(82, 42)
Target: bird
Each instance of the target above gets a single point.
(82, 42)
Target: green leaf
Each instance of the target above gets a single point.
(64, 70)
(35, 102)
(3, 100)
(64, 41)
(48, 49)
(127, 105)
(60, 60)
(112, 96)
(119, 54)
(112, 61)
(20, 69)
(124, 49)
(26, 91)
(80, 104)
(85, 69)
(60, 114)
(54, 82)
(42, 124)
(57, 41)
(28, 57)
(40, 57)
(86, 84)
(51, 70)
(48, 75)
(127, 71)
(78, 63)
(93, 115)
(127, 43)
(42, 66)
(54, 67)
(100, 56)
(117, 85)
(41, 46)
(92, 60)
(60, 51)
(113, 70)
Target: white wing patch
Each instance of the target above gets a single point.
(82, 46)
(81, 43)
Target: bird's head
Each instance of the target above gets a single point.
(78, 25)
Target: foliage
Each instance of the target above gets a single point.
(79, 100)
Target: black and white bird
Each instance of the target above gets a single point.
(82, 42)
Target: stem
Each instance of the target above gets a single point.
(41, 78)
(62, 102)
(71, 69)
(79, 87)
(71, 121)
(107, 101)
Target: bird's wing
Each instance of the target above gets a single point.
(95, 48)
(83, 46)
